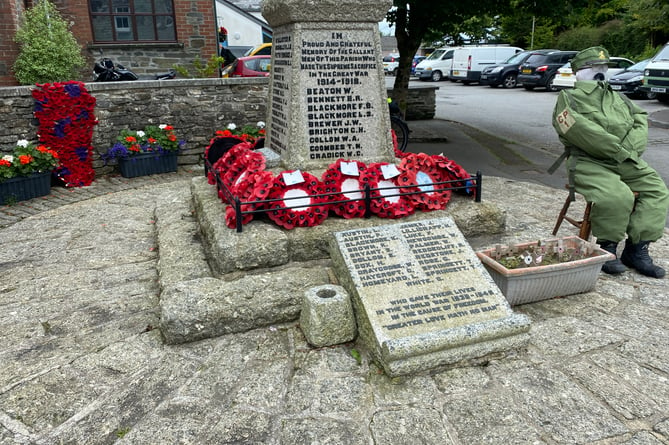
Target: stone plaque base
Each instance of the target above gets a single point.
(422, 298)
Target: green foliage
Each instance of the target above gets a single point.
(48, 50)
(579, 38)
(198, 69)
(121, 432)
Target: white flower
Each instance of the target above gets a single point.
(23, 143)
(141, 134)
(231, 126)
(8, 158)
(162, 126)
(261, 124)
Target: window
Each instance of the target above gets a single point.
(132, 21)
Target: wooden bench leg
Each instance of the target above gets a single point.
(562, 215)
(586, 225)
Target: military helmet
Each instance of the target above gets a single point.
(596, 55)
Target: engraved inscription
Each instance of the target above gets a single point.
(337, 66)
(419, 274)
(282, 47)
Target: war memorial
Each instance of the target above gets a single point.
(134, 314)
(421, 299)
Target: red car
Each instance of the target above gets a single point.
(251, 66)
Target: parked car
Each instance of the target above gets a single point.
(629, 80)
(470, 61)
(436, 66)
(390, 64)
(506, 73)
(416, 60)
(264, 49)
(252, 66)
(565, 78)
(540, 69)
(656, 75)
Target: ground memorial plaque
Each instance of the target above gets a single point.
(422, 298)
(327, 90)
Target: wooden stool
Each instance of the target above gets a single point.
(584, 226)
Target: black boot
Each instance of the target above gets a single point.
(636, 256)
(612, 266)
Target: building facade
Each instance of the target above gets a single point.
(146, 36)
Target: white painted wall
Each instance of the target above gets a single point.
(241, 30)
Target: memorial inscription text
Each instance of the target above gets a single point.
(419, 257)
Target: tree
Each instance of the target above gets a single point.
(48, 52)
(414, 19)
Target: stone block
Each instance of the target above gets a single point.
(327, 316)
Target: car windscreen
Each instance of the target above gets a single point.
(436, 55)
(639, 66)
(516, 58)
(663, 54)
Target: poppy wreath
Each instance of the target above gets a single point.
(64, 111)
(249, 162)
(453, 171)
(286, 213)
(347, 188)
(218, 146)
(382, 205)
(398, 153)
(255, 187)
(226, 162)
(419, 173)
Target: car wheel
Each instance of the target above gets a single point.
(509, 81)
(549, 84)
(395, 72)
(466, 82)
(436, 76)
(650, 96)
(528, 87)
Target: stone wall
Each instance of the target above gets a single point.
(421, 103)
(195, 107)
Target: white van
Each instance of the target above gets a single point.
(469, 61)
(436, 66)
(656, 75)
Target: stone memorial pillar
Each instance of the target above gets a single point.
(327, 94)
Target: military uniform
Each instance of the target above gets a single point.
(605, 135)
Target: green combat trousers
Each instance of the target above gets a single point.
(610, 186)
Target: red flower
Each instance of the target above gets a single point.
(5, 163)
(152, 141)
(130, 139)
(25, 159)
(172, 137)
(168, 128)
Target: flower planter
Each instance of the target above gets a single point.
(148, 164)
(531, 284)
(22, 188)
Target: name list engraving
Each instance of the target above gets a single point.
(337, 66)
(419, 274)
(282, 47)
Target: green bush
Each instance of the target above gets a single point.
(48, 52)
(199, 69)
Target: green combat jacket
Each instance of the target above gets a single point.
(597, 122)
